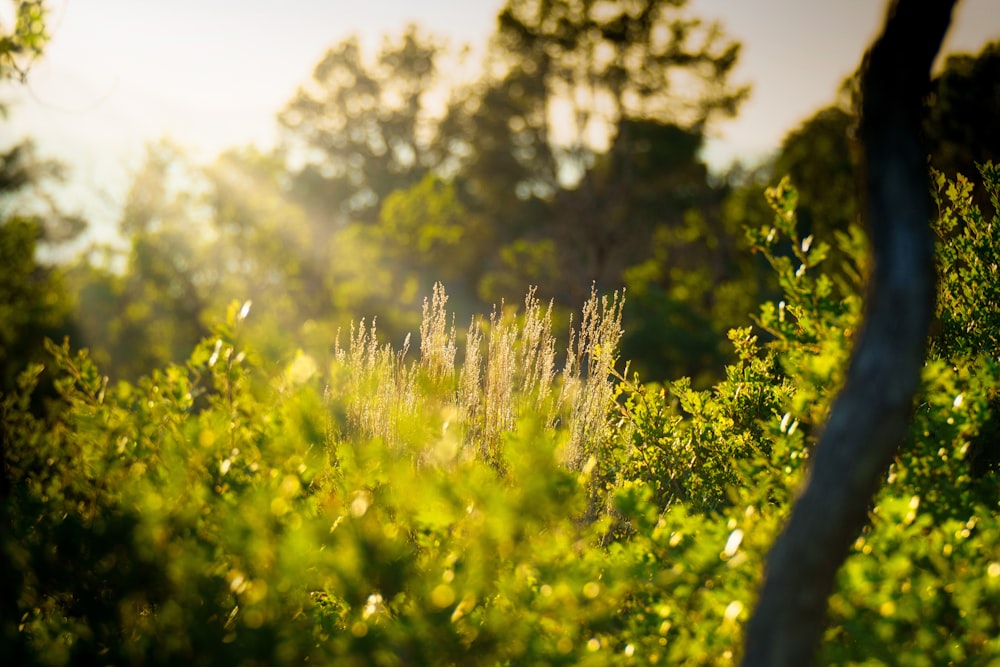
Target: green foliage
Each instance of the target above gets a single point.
(24, 41)
(33, 300)
(818, 157)
(380, 191)
(365, 126)
(964, 101)
(692, 447)
(966, 239)
(254, 492)
(472, 505)
(429, 230)
(817, 315)
(541, 187)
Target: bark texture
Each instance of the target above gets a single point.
(871, 414)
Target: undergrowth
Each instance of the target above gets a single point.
(472, 501)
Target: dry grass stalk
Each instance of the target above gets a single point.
(381, 387)
(588, 386)
(437, 339)
(508, 373)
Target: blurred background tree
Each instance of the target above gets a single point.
(573, 159)
(143, 310)
(362, 129)
(24, 41)
(33, 299)
(959, 124)
(607, 106)
(573, 156)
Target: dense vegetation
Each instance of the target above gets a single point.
(465, 502)
(392, 177)
(207, 456)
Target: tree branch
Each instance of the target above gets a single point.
(871, 414)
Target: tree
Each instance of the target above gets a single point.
(670, 242)
(871, 414)
(582, 148)
(33, 299)
(570, 84)
(259, 244)
(961, 118)
(572, 156)
(364, 129)
(643, 186)
(818, 157)
(25, 181)
(26, 40)
(149, 314)
(427, 229)
(600, 63)
(964, 105)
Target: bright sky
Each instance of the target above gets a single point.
(212, 74)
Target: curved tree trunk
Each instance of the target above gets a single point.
(871, 414)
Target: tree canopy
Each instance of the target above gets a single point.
(375, 396)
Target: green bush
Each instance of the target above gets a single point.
(469, 502)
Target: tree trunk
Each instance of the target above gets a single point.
(871, 414)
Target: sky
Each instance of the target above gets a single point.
(212, 74)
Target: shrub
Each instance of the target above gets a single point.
(470, 504)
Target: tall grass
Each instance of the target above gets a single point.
(445, 407)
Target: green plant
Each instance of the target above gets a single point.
(471, 504)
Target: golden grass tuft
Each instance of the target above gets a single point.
(507, 374)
